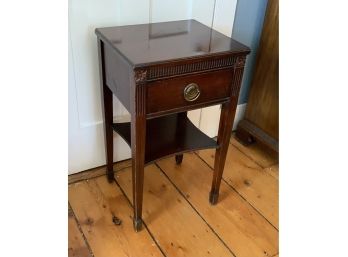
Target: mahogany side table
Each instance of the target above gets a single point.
(159, 71)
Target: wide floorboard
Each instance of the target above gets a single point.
(179, 221)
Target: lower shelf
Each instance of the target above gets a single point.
(168, 135)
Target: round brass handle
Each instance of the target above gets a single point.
(191, 92)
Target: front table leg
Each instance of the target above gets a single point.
(224, 134)
(138, 140)
(138, 153)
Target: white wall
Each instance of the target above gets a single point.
(221, 20)
(86, 143)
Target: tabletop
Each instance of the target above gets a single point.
(157, 42)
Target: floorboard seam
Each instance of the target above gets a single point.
(233, 254)
(246, 155)
(144, 224)
(81, 232)
(238, 193)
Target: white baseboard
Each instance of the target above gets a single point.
(239, 115)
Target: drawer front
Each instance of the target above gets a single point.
(188, 91)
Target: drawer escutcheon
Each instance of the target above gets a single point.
(191, 92)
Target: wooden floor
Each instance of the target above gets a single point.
(179, 221)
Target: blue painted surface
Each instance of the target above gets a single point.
(247, 29)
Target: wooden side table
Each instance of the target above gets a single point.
(159, 71)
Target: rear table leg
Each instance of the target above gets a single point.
(178, 158)
(107, 113)
(181, 118)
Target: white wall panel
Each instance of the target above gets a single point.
(86, 144)
(169, 10)
(86, 138)
(134, 12)
(84, 17)
(224, 16)
(203, 11)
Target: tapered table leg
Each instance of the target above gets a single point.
(138, 140)
(178, 158)
(107, 113)
(224, 134)
(109, 144)
(181, 118)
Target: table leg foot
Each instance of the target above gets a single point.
(137, 223)
(178, 158)
(110, 176)
(213, 198)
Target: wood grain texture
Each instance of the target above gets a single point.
(94, 203)
(263, 102)
(178, 229)
(176, 210)
(273, 171)
(259, 188)
(256, 153)
(77, 245)
(243, 229)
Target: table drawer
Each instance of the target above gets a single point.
(188, 91)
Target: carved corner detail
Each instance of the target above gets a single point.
(240, 61)
(140, 76)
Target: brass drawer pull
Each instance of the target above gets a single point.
(191, 92)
